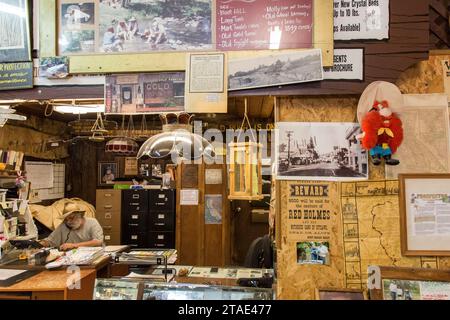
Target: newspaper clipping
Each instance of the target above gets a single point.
(431, 214)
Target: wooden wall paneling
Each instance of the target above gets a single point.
(217, 236)
(189, 227)
(47, 28)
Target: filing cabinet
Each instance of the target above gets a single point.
(139, 218)
(162, 204)
(162, 221)
(162, 200)
(108, 214)
(135, 218)
(164, 240)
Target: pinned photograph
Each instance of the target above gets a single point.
(54, 67)
(320, 151)
(213, 209)
(275, 69)
(401, 290)
(313, 253)
(74, 15)
(153, 25)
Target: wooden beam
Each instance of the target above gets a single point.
(47, 28)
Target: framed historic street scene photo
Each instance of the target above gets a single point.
(108, 171)
(15, 34)
(425, 214)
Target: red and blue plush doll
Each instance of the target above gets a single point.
(382, 133)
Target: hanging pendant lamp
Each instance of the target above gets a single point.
(124, 144)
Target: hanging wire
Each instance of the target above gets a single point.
(248, 122)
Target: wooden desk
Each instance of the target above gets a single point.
(51, 285)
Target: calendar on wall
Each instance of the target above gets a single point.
(57, 189)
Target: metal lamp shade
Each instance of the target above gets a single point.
(180, 143)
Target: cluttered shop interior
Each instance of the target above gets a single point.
(224, 150)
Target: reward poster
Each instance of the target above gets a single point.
(310, 211)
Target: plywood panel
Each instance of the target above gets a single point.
(378, 234)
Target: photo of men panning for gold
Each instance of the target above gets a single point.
(134, 26)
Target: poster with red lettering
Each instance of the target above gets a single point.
(264, 24)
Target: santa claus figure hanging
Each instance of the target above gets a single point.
(380, 123)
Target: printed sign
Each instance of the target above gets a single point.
(347, 65)
(310, 211)
(16, 75)
(264, 24)
(361, 19)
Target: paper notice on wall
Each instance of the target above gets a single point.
(189, 197)
(40, 174)
(446, 75)
(310, 210)
(425, 147)
(431, 214)
(207, 73)
(361, 19)
(347, 65)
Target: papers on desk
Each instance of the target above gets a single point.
(115, 249)
(149, 257)
(80, 256)
(6, 274)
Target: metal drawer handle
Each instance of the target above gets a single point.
(108, 206)
(136, 196)
(134, 203)
(160, 237)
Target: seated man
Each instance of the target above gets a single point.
(75, 231)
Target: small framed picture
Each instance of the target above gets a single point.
(108, 171)
(425, 214)
(340, 294)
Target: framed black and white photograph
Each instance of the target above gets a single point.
(320, 151)
(425, 214)
(14, 31)
(108, 171)
(275, 69)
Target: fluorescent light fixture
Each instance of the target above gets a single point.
(80, 109)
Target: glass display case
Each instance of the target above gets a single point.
(120, 289)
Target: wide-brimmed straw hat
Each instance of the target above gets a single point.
(71, 208)
(380, 91)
